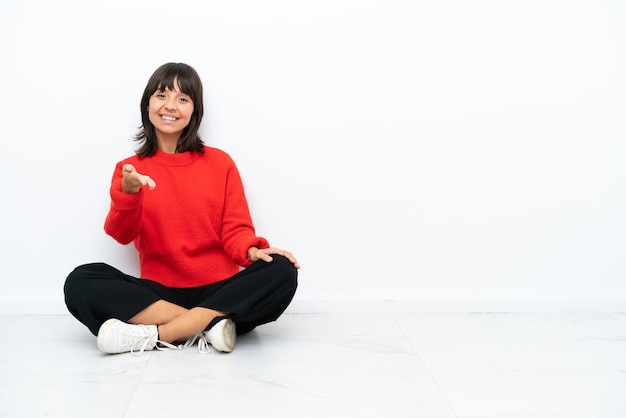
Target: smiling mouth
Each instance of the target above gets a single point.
(170, 118)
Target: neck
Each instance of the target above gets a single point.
(167, 143)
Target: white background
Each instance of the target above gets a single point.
(408, 151)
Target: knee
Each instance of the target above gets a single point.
(73, 280)
(79, 277)
(283, 263)
(286, 269)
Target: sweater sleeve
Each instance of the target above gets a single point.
(123, 222)
(238, 233)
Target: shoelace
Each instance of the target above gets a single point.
(160, 345)
(203, 342)
(202, 338)
(139, 336)
(163, 346)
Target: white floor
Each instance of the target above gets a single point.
(329, 365)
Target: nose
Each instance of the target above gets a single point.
(171, 103)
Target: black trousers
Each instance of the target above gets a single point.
(254, 296)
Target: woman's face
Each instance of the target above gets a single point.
(170, 111)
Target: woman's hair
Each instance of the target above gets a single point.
(189, 83)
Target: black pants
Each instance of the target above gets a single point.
(255, 296)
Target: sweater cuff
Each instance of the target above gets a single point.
(125, 201)
(260, 243)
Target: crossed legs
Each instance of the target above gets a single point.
(175, 322)
(97, 292)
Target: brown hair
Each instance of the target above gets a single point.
(190, 84)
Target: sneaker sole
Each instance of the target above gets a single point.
(226, 329)
(102, 332)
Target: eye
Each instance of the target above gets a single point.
(185, 100)
(159, 95)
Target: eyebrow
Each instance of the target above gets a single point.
(173, 91)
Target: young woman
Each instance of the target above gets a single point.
(183, 205)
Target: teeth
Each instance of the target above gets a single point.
(168, 117)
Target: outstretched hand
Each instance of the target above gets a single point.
(132, 181)
(255, 254)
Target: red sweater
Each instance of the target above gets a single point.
(194, 228)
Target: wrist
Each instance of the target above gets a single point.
(251, 252)
(130, 189)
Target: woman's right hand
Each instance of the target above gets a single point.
(132, 181)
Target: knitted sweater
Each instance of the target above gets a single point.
(194, 228)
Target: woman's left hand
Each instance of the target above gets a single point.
(255, 254)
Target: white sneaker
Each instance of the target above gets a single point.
(115, 336)
(221, 336)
